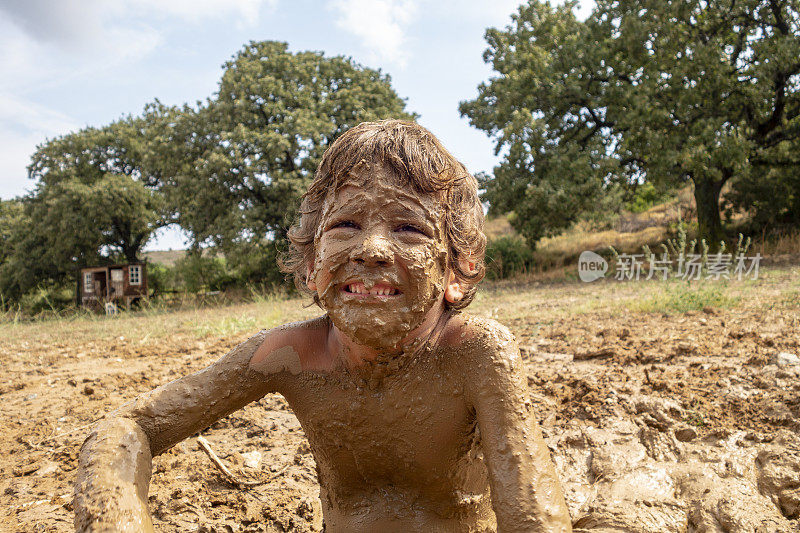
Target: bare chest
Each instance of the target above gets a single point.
(408, 430)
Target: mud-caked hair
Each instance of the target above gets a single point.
(420, 160)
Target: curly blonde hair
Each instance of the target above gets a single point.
(420, 160)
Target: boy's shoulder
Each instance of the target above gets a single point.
(485, 354)
(290, 347)
(480, 336)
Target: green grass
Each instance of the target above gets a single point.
(680, 297)
(508, 301)
(791, 299)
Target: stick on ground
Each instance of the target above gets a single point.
(206, 447)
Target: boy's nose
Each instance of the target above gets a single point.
(375, 250)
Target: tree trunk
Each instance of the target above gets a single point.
(706, 198)
(130, 251)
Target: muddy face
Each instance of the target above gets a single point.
(380, 259)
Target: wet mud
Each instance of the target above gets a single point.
(657, 421)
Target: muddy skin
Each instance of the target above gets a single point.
(375, 232)
(114, 474)
(418, 418)
(115, 460)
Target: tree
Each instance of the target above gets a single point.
(770, 194)
(12, 223)
(106, 179)
(70, 224)
(93, 203)
(11, 216)
(661, 90)
(245, 157)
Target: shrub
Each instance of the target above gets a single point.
(203, 273)
(161, 278)
(507, 256)
(684, 298)
(645, 197)
(48, 298)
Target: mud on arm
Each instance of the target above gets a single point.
(115, 460)
(526, 493)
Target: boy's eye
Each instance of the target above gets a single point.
(410, 228)
(345, 224)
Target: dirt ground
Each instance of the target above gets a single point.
(658, 421)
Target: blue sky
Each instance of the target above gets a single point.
(67, 64)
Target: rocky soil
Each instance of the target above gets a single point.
(657, 423)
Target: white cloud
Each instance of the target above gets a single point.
(70, 22)
(380, 24)
(80, 23)
(48, 45)
(22, 127)
(497, 13)
(15, 154)
(30, 64)
(246, 11)
(20, 115)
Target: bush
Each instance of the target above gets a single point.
(645, 197)
(161, 279)
(200, 273)
(684, 298)
(507, 256)
(48, 299)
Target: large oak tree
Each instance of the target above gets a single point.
(243, 159)
(662, 90)
(94, 201)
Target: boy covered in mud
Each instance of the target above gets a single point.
(417, 416)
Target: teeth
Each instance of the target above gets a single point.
(358, 288)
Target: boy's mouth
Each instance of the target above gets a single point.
(379, 289)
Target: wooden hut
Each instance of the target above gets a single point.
(107, 287)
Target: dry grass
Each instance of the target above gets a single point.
(785, 243)
(555, 257)
(525, 298)
(156, 324)
(570, 245)
(497, 227)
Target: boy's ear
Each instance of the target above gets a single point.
(453, 291)
(310, 283)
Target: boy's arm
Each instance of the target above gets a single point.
(177, 410)
(115, 460)
(526, 493)
(113, 477)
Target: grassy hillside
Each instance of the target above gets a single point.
(164, 257)
(555, 256)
